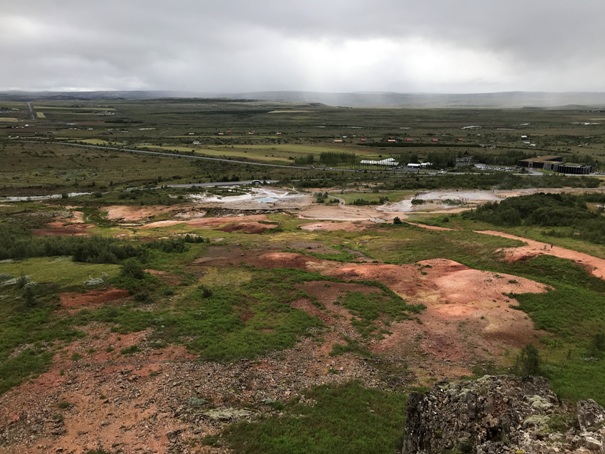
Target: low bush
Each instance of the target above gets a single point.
(347, 419)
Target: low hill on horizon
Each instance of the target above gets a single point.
(436, 100)
(518, 99)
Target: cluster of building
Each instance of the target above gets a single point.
(382, 162)
(390, 162)
(552, 163)
(555, 164)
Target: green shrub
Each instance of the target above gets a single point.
(528, 362)
(205, 291)
(63, 404)
(132, 268)
(130, 350)
(597, 345)
(345, 419)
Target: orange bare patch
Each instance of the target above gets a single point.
(467, 316)
(92, 298)
(107, 392)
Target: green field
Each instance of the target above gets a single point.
(561, 132)
(76, 108)
(61, 271)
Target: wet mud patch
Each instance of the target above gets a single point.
(246, 227)
(226, 256)
(69, 224)
(346, 226)
(287, 260)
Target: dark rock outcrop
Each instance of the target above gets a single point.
(501, 414)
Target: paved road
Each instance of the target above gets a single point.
(220, 183)
(32, 114)
(252, 163)
(232, 161)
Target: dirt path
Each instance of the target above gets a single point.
(429, 227)
(594, 265)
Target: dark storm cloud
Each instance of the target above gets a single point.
(231, 45)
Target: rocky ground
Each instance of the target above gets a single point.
(160, 400)
(501, 415)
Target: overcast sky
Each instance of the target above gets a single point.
(214, 46)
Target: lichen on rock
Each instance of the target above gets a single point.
(500, 414)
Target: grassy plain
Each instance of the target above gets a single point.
(61, 271)
(242, 308)
(572, 133)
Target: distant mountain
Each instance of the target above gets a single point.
(84, 95)
(517, 99)
(428, 100)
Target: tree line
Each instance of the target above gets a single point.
(18, 244)
(488, 181)
(580, 216)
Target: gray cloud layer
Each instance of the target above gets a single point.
(329, 45)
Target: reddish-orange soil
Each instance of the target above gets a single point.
(96, 396)
(76, 301)
(468, 317)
